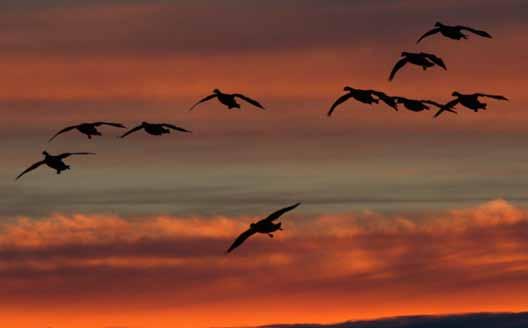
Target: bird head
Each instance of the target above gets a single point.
(45, 153)
(456, 94)
(438, 24)
(216, 91)
(348, 89)
(404, 54)
(144, 123)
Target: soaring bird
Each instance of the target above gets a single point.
(155, 129)
(228, 99)
(422, 59)
(470, 101)
(364, 96)
(265, 226)
(453, 32)
(418, 105)
(89, 129)
(53, 161)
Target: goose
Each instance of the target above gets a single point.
(228, 99)
(422, 59)
(364, 96)
(53, 161)
(155, 129)
(89, 129)
(470, 101)
(265, 226)
(453, 32)
(418, 105)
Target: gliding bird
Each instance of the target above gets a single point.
(228, 99)
(263, 226)
(89, 129)
(469, 101)
(364, 96)
(421, 59)
(53, 161)
(453, 32)
(155, 129)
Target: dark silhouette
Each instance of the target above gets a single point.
(469, 101)
(155, 129)
(364, 96)
(54, 162)
(263, 226)
(89, 129)
(418, 105)
(228, 99)
(453, 32)
(422, 59)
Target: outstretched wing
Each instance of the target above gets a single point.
(389, 101)
(203, 100)
(65, 155)
(447, 107)
(437, 60)
(137, 128)
(498, 97)
(31, 168)
(249, 100)
(62, 131)
(117, 125)
(429, 33)
(240, 239)
(174, 127)
(434, 103)
(397, 67)
(338, 102)
(277, 214)
(477, 32)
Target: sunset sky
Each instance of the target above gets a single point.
(401, 213)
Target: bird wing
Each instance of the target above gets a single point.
(429, 33)
(277, 214)
(338, 102)
(117, 125)
(174, 127)
(203, 100)
(430, 102)
(31, 168)
(65, 155)
(397, 67)
(62, 131)
(447, 107)
(492, 96)
(240, 239)
(388, 100)
(477, 32)
(437, 60)
(137, 128)
(249, 100)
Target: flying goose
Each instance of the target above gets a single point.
(155, 129)
(364, 96)
(422, 59)
(470, 101)
(265, 226)
(453, 32)
(89, 129)
(228, 99)
(53, 161)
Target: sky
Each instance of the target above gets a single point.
(401, 213)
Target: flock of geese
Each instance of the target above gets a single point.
(268, 225)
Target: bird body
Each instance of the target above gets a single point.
(454, 32)
(364, 96)
(55, 162)
(422, 59)
(155, 129)
(264, 226)
(416, 105)
(228, 99)
(470, 101)
(89, 129)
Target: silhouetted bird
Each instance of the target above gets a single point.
(422, 59)
(155, 129)
(418, 105)
(470, 101)
(453, 32)
(263, 226)
(89, 129)
(364, 96)
(54, 162)
(228, 99)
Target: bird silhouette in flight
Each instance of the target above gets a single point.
(422, 59)
(419, 105)
(453, 32)
(89, 129)
(155, 129)
(365, 96)
(53, 161)
(228, 99)
(265, 226)
(470, 101)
